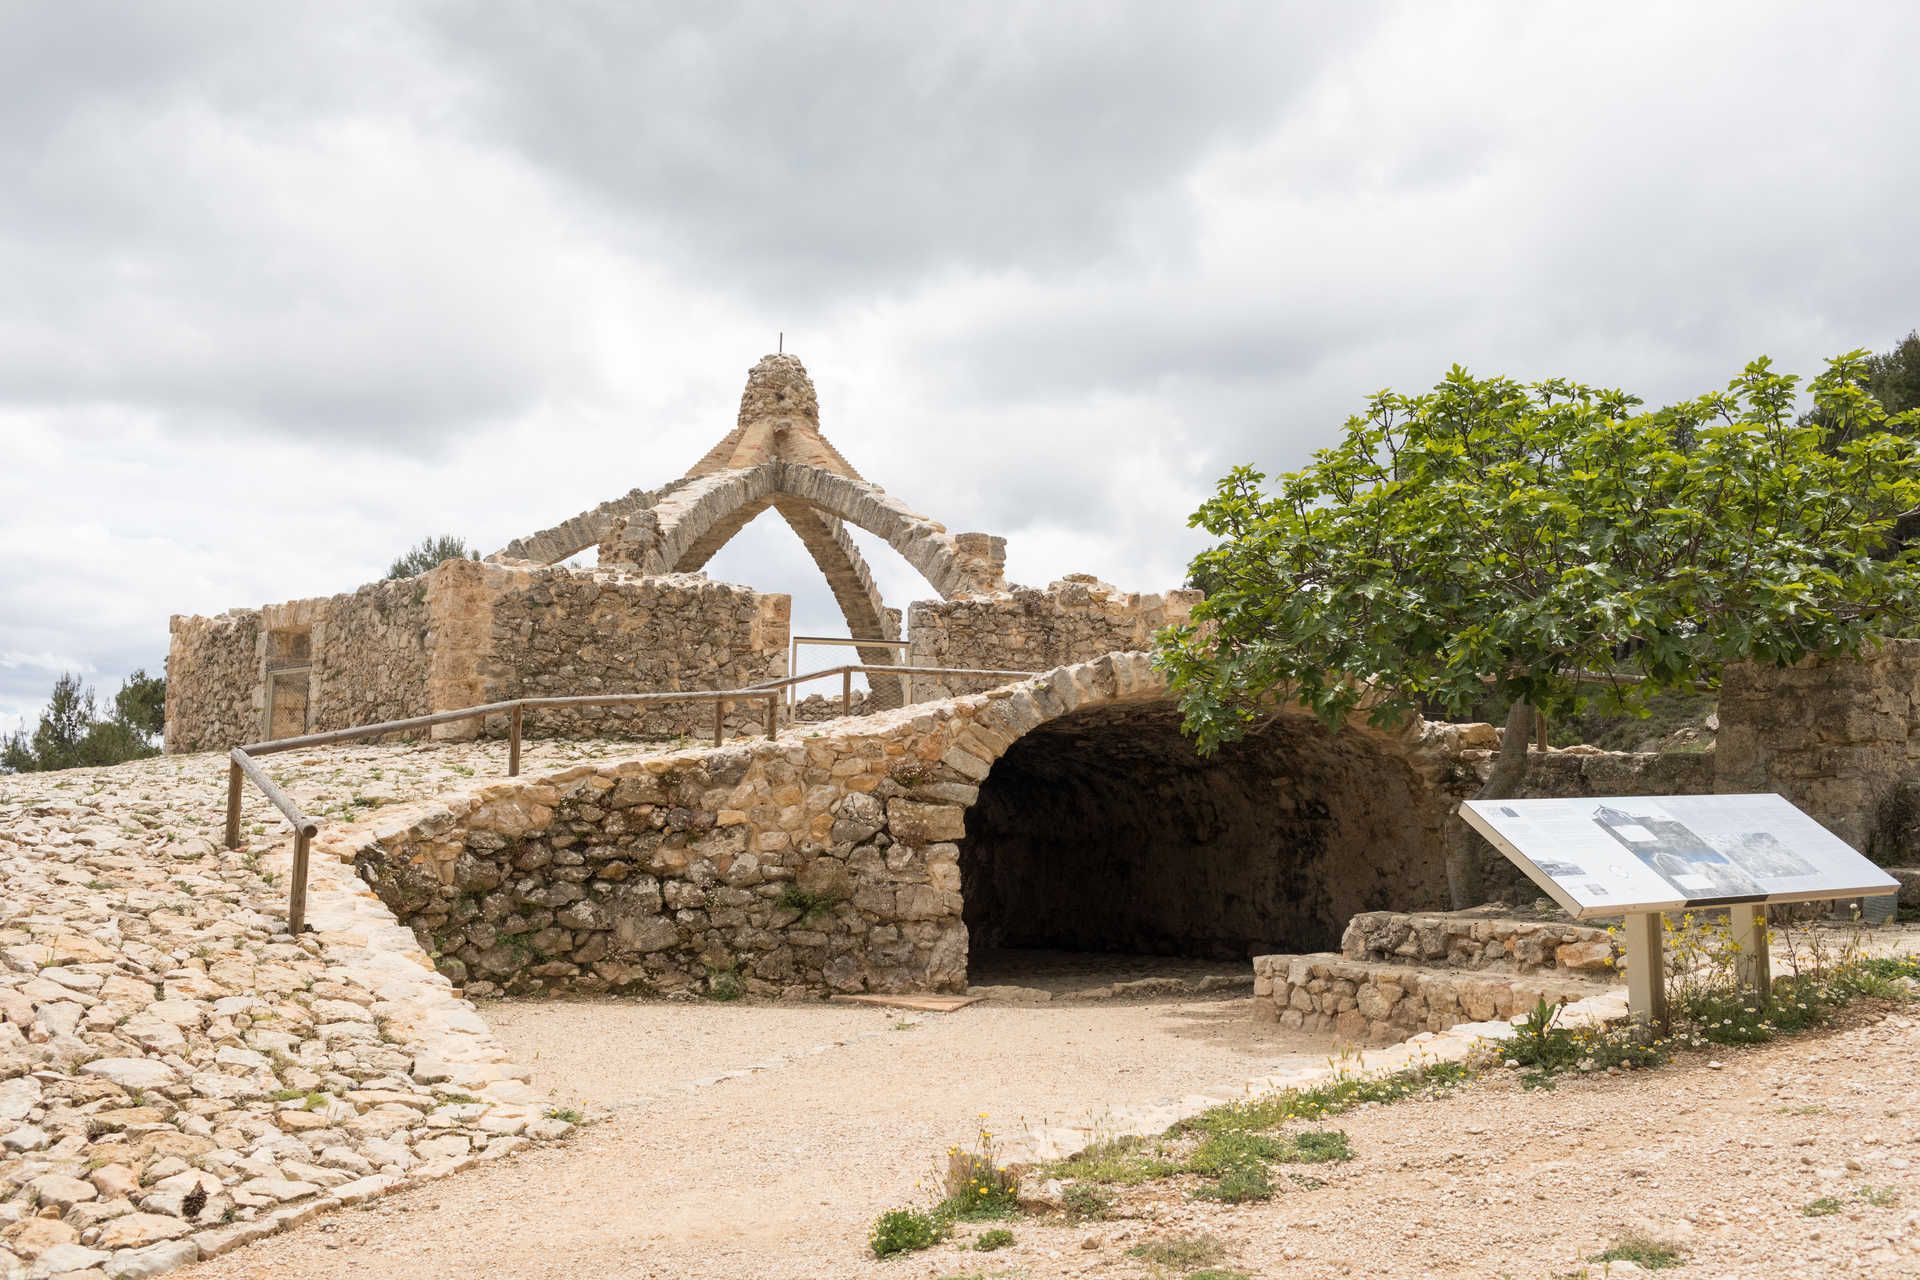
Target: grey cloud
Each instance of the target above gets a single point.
(219, 214)
(824, 151)
(1655, 229)
(1055, 267)
(288, 219)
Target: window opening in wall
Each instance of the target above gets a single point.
(289, 672)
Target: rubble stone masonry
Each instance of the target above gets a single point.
(1029, 629)
(1835, 736)
(466, 633)
(213, 677)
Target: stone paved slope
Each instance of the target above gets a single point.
(179, 1075)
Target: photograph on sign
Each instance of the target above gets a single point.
(1608, 854)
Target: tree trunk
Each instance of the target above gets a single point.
(1466, 850)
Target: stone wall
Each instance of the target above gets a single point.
(816, 707)
(212, 680)
(1028, 629)
(468, 633)
(1587, 771)
(866, 854)
(1835, 736)
(561, 631)
(800, 866)
(370, 655)
(1364, 1003)
(1401, 973)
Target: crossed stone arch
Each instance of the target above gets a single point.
(776, 457)
(680, 528)
(689, 525)
(694, 521)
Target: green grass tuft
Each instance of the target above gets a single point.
(903, 1231)
(1329, 1099)
(1086, 1200)
(1123, 1162)
(1643, 1251)
(1233, 1149)
(1239, 1185)
(1178, 1251)
(988, 1241)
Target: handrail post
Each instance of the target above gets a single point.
(513, 742)
(846, 691)
(297, 892)
(773, 715)
(234, 779)
(719, 721)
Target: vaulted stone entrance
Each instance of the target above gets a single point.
(1064, 813)
(1103, 830)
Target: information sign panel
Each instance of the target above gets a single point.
(1608, 855)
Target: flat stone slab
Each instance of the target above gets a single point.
(132, 1073)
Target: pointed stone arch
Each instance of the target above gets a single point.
(683, 531)
(776, 457)
(693, 522)
(854, 590)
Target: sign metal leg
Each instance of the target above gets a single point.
(1646, 970)
(1752, 965)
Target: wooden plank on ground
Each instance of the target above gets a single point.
(917, 1003)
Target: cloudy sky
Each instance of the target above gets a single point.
(284, 288)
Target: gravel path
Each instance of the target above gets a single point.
(777, 1172)
(776, 1175)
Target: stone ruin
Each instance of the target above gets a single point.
(877, 852)
(884, 851)
(887, 852)
(525, 623)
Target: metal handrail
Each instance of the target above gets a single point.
(241, 765)
(837, 642)
(846, 674)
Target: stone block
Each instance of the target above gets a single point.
(1592, 955)
(645, 934)
(914, 823)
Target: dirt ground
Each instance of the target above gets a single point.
(1718, 1156)
(838, 1112)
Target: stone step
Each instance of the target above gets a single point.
(1478, 940)
(1378, 1002)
